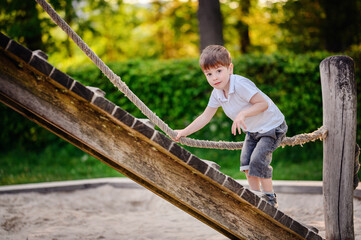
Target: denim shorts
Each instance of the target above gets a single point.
(256, 155)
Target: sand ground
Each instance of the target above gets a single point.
(115, 213)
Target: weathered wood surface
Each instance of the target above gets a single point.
(339, 117)
(52, 99)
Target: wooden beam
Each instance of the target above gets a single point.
(339, 117)
(52, 99)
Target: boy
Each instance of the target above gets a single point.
(251, 110)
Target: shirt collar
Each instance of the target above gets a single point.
(220, 94)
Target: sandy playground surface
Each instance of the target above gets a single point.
(114, 213)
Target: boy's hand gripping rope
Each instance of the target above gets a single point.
(117, 82)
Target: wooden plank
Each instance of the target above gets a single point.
(339, 118)
(98, 127)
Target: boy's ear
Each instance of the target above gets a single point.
(231, 68)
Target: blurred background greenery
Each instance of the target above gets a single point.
(154, 45)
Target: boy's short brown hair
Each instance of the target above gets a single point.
(213, 56)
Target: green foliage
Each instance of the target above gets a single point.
(312, 25)
(300, 23)
(20, 20)
(27, 23)
(114, 29)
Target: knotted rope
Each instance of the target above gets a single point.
(117, 82)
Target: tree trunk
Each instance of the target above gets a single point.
(210, 23)
(243, 27)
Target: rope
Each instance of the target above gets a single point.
(301, 139)
(117, 82)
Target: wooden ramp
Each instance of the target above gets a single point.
(52, 99)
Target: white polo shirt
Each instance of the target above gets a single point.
(241, 90)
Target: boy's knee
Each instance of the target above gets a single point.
(260, 169)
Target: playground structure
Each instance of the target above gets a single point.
(85, 118)
(47, 96)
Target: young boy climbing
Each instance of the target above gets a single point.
(251, 111)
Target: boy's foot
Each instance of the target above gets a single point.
(271, 199)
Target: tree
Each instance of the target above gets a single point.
(299, 23)
(243, 27)
(341, 26)
(25, 22)
(210, 23)
(20, 20)
(310, 25)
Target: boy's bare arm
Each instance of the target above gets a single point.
(197, 124)
(259, 105)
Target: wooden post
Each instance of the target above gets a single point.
(339, 117)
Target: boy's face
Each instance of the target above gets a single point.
(218, 77)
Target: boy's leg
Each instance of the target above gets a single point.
(260, 166)
(267, 185)
(248, 147)
(268, 194)
(267, 145)
(253, 182)
(261, 157)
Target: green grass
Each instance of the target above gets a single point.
(63, 161)
(54, 163)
